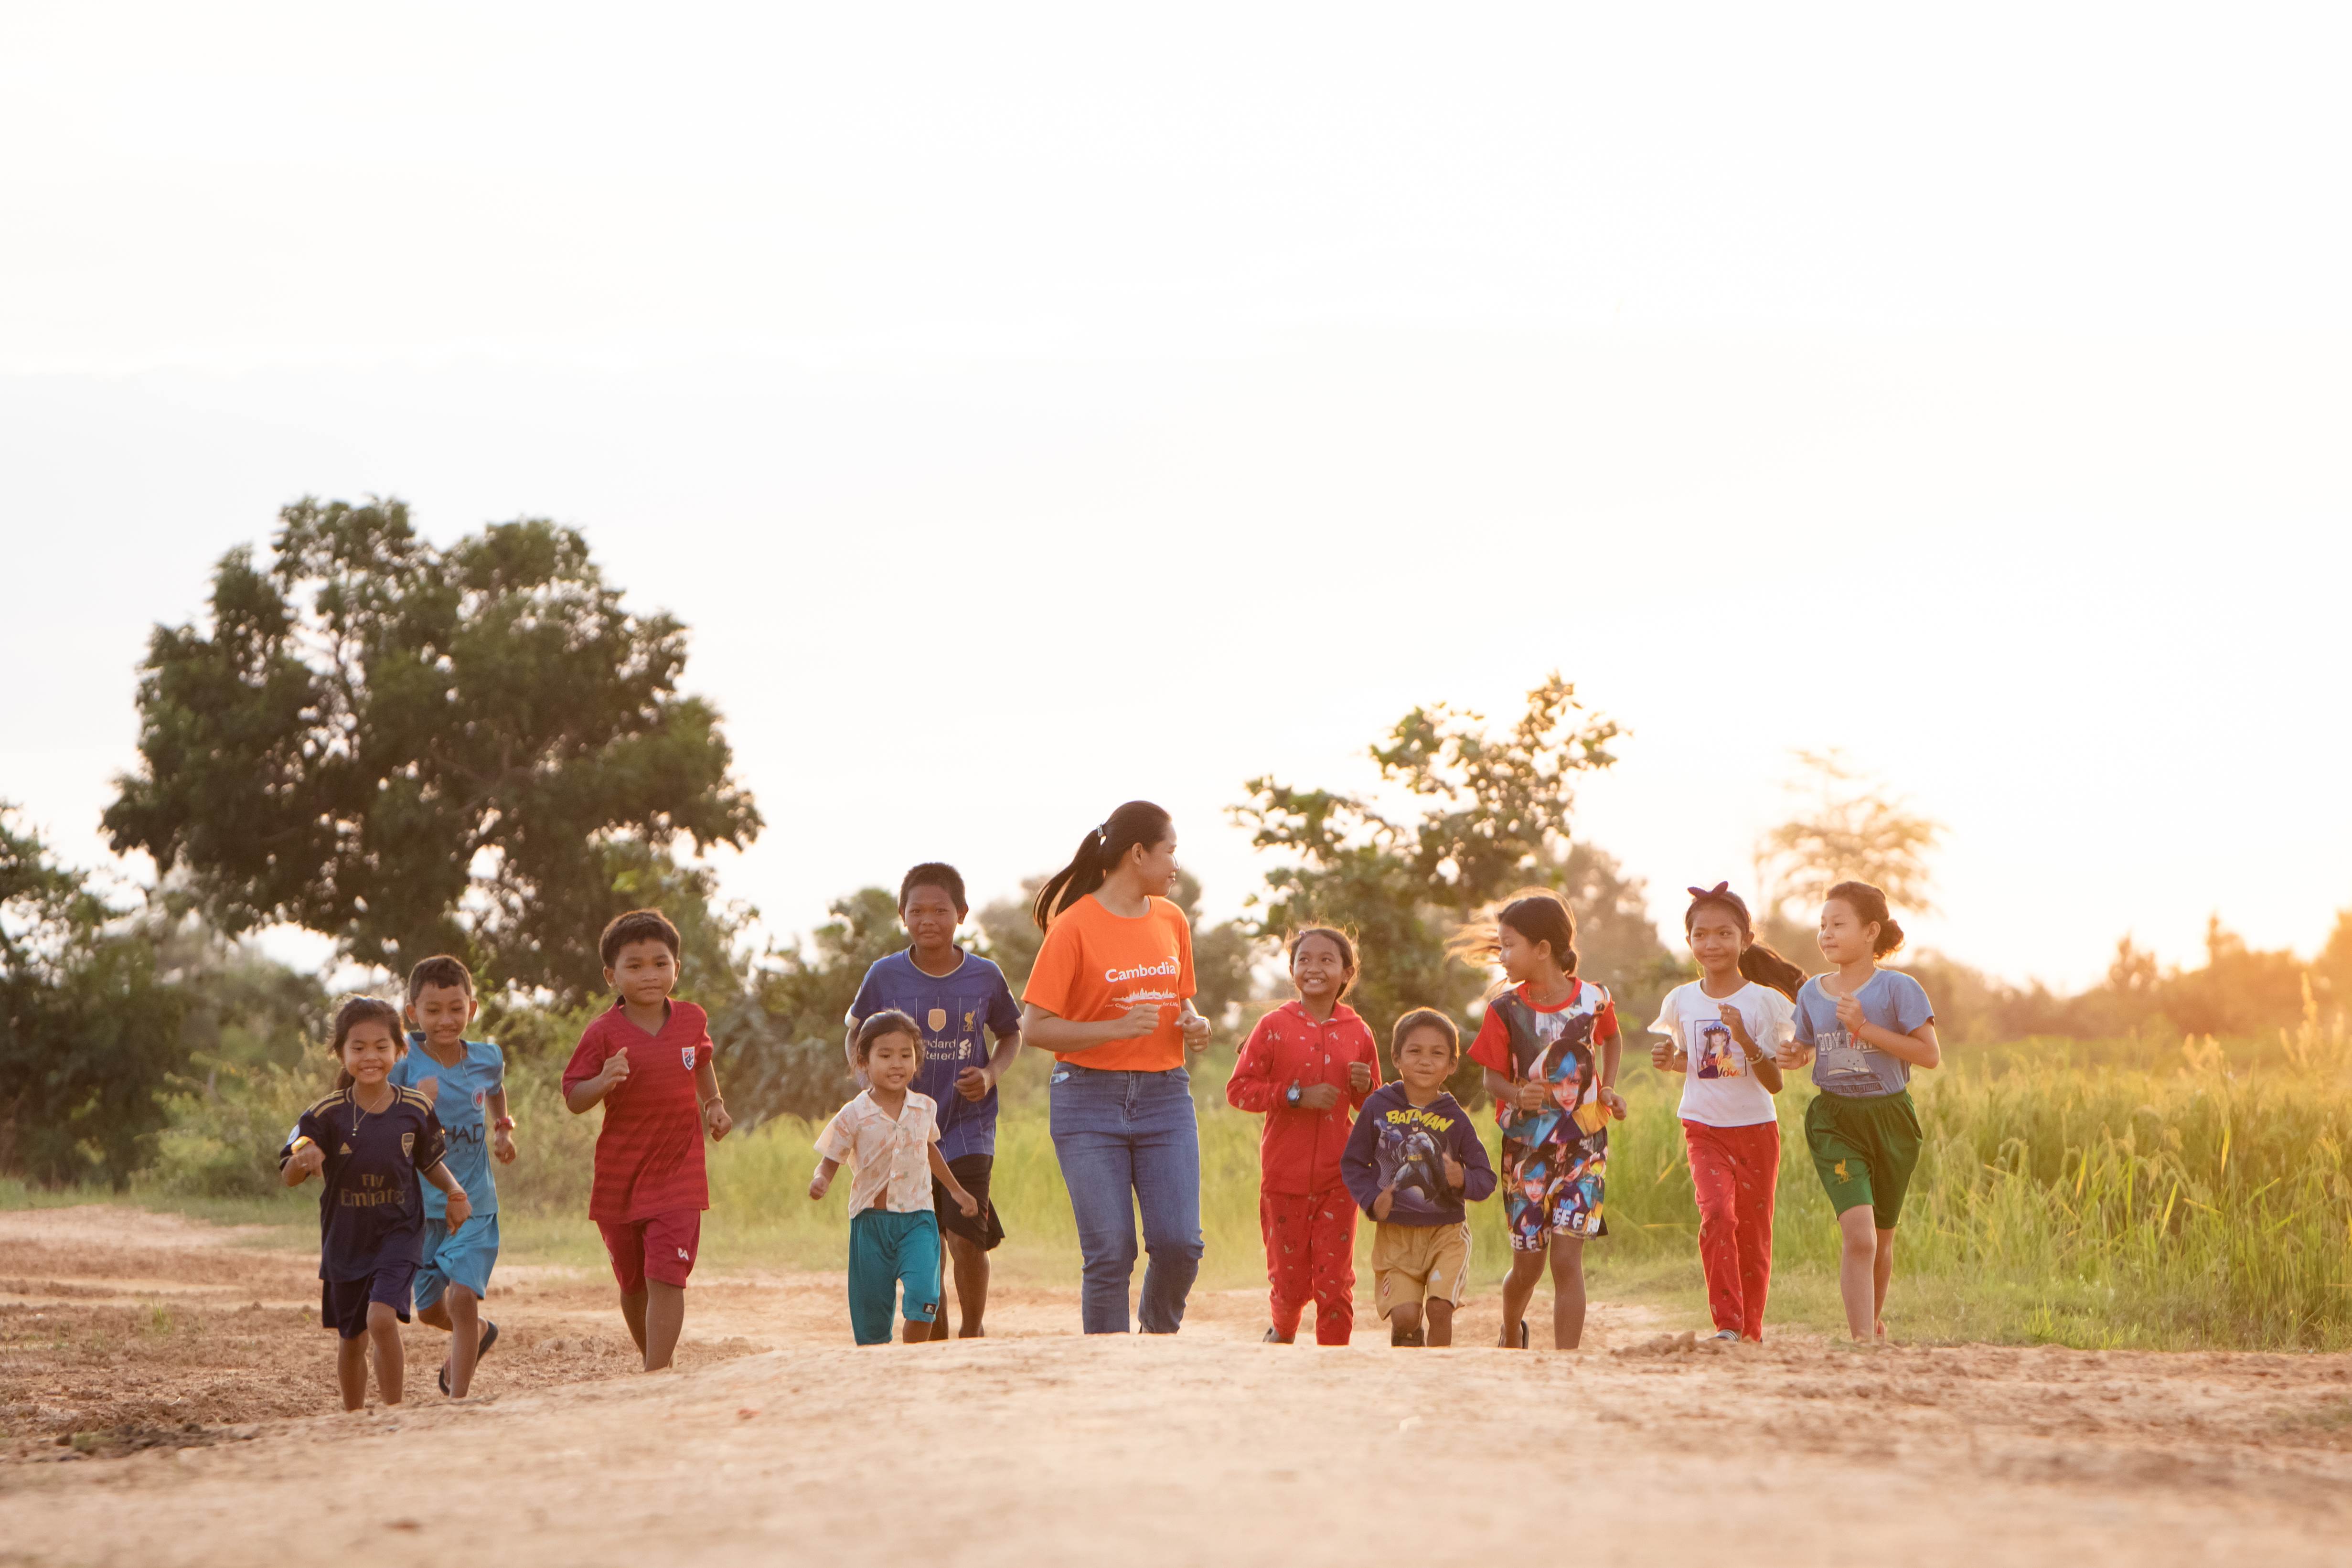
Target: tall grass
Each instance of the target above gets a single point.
(2122, 1193)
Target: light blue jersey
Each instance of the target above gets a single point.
(465, 1091)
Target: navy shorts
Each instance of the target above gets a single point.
(344, 1303)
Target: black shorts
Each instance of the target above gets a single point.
(983, 1232)
(344, 1303)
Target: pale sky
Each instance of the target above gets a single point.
(1033, 409)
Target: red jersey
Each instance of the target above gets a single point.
(1300, 1154)
(649, 1155)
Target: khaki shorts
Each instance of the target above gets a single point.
(1411, 1262)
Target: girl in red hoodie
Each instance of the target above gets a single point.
(1306, 1067)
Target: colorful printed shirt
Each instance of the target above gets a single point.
(952, 1010)
(892, 1154)
(649, 1151)
(1844, 1065)
(1298, 1154)
(1397, 1144)
(461, 1093)
(1719, 1088)
(369, 1212)
(1554, 1158)
(1094, 966)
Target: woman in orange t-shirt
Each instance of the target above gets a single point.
(1112, 997)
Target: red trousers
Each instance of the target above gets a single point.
(1735, 1171)
(1310, 1252)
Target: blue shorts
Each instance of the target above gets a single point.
(887, 1250)
(344, 1303)
(464, 1259)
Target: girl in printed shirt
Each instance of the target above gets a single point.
(1863, 1028)
(1549, 1045)
(1306, 1067)
(1720, 1032)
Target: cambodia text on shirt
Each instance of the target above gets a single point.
(1850, 1067)
(889, 1156)
(1720, 1086)
(956, 1013)
(461, 1099)
(1094, 966)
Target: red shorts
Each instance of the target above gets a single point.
(660, 1246)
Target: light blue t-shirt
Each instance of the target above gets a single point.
(465, 1090)
(1843, 1065)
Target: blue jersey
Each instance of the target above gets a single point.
(461, 1104)
(1854, 1068)
(369, 1210)
(952, 1010)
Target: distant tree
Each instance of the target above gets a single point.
(89, 1034)
(780, 1052)
(414, 749)
(1493, 815)
(1848, 828)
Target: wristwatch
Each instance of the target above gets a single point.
(1290, 1097)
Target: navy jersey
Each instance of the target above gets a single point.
(371, 1209)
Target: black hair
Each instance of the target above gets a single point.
(1338, 939)
(1537, 914)
(889, 1020)
(1869, 906)
(1424, 1017)
(939, 874)
(1138, 822)
(355, 1012)
(1758, 961)
(636, 926)
(440, 970)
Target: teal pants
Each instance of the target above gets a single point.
(885, 1250)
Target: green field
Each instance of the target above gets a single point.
(2118, 1194)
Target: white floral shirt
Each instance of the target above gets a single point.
(892, 1156)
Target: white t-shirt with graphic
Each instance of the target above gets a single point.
(1719, 1087)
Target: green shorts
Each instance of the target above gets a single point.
(1865, 1151)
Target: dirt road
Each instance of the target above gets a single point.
(1038, 1445)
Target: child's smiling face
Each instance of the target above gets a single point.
(369, 1049)
(930, 918)
(443, 1012)
(1425, 1059)
(1715, 938)
(891, 1061)
(1317, 969)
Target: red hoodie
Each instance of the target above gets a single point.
(1300, 1153)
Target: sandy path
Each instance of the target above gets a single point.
(1042, 1447)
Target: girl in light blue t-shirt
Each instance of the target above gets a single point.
(1863, 1028)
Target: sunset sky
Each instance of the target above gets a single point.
(1033, 409)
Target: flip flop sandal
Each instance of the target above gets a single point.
(481, 1348)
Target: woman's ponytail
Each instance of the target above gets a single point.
(1136, 823)
(1760, 964)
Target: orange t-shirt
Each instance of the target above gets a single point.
(1094, 966)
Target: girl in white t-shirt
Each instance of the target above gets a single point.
(1720, 1032)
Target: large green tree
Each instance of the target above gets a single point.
(414, 749)
(1480, 814)
(88, 1032)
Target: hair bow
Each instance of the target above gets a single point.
(1717, 891)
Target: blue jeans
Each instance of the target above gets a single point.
(1125, 1139)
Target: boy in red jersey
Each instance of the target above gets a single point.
(647, 1062)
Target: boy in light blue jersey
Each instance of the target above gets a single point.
(467, 1079)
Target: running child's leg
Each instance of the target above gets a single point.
(1519, 1288)
(384, 1341)
(1285, 1222)
(463, 1314)
(1861, 1276)
(1331, 1265)
(1715, 1182)
(1567, 1292)
(971, 1263)
(1440, 1321)
(633, 1314)
(1758, 1169)
(665, 1319)
(351, 1370)
(916, 1276)
(873, 1278)
(1882, 1270)
(1404, 1321)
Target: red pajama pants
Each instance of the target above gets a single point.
(1310, 1253)
(1734, 1170)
